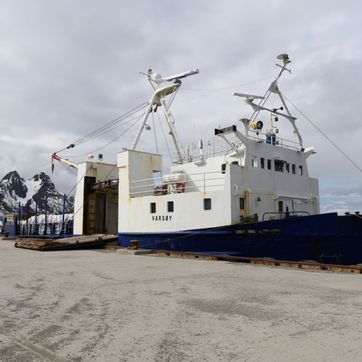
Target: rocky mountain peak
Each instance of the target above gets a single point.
(12, 175)
(13, 181)
(38, 190)
(43, 177)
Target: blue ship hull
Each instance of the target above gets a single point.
(325, 238)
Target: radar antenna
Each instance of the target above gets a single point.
(157, 78)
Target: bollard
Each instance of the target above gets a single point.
(134, 245)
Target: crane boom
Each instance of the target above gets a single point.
(62, 160)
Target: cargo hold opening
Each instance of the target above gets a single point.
(100, 207)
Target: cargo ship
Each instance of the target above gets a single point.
(256, 199)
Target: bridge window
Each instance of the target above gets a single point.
(152, 207)
(269, 164)
(293, 169)
(262, 162)
(223, 168)
(169, 206)
(207, 204)
(278, 165)
(300, 170)
(287, 167)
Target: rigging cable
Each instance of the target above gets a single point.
(111, 123)
(164, 136)
(114, 139)
(105, 128)
(325, 135)
(111, 129)
(154, 131)
(173, 96)
(137, 118)
(73, 188)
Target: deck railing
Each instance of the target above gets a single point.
(197, 182)
(277, 141)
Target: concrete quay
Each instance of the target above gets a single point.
(100, 305)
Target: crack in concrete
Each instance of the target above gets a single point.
(36, 349)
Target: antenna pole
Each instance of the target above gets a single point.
(285, 59)
(181, 153)
(142, 126)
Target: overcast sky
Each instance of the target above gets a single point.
(68, 67)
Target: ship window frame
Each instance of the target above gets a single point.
(207, 203)
(152, 208)
(262, 162)
(269, 164)
(242, 203)
(287, 167)
(293, 168)
(300, 170)
(279, 165)
(223, 168)
(170, 206)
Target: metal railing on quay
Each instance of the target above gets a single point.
(41, 229)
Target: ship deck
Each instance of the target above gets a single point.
(101, 305)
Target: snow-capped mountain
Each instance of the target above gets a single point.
(15, 189)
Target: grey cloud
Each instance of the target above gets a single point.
(67, 67)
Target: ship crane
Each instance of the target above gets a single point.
(63, 161)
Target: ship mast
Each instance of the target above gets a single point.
(273, 88)
(158, 99)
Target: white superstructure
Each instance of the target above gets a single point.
(261, 175)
